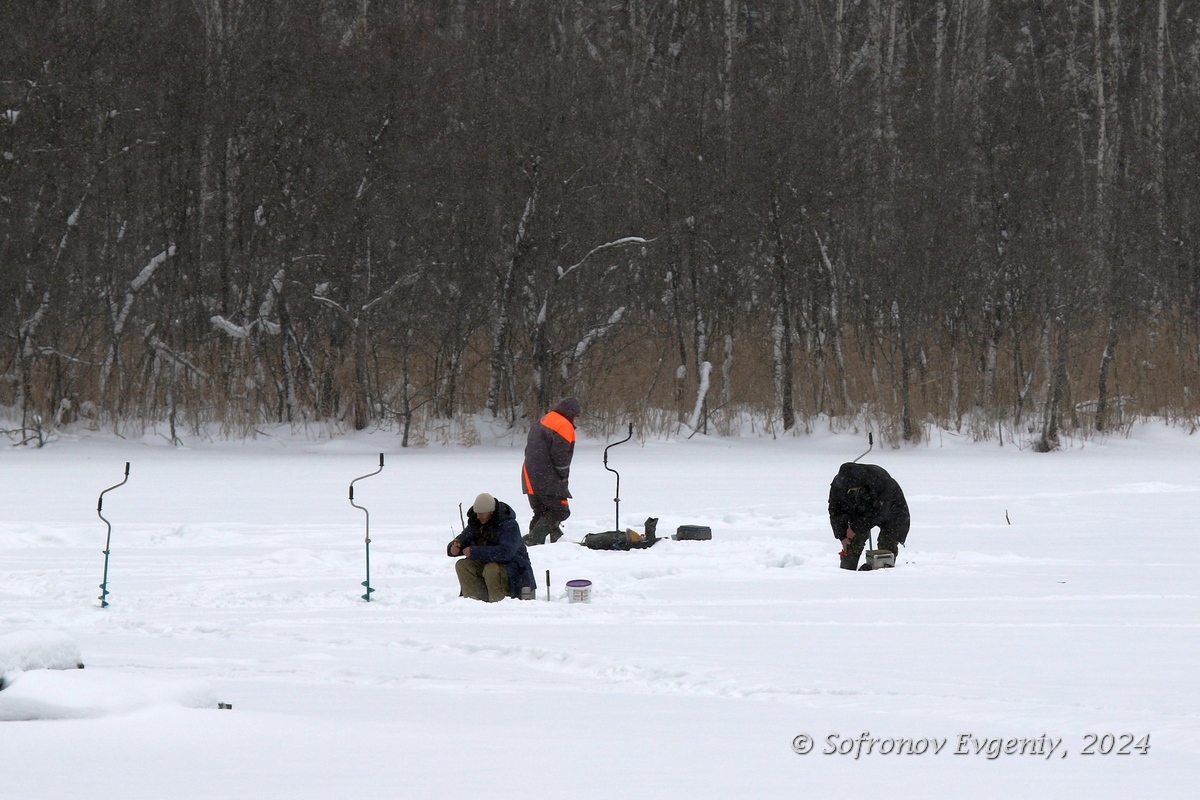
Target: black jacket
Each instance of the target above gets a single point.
(864, 496)
(500, 541)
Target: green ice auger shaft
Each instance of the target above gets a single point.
(617, 499)
(108, 536)
(367, 582)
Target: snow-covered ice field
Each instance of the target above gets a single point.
(235, 573)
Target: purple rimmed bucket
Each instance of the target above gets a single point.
(579, 591)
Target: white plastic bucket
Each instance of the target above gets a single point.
(579, 591)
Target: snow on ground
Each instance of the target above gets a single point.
(1049, 598)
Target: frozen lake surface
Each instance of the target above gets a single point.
(1045, 598)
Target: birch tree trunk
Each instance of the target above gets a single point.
(987, 399)
(731, 33)
(120, 316)
(216, 145)
(700, 331)
(1052, 419)
(835, 321)
(784, 379)
(1106, 104)
(955, 368)
(1159, 119)
(939, 61)
(908, 426)
(26, 331)
(499, 364)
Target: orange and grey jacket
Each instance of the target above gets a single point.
(548, 452)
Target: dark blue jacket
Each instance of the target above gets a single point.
(499, 541)
(864, 496)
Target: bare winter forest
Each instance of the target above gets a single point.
(982, 215)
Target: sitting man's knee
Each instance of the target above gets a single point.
(495, 578)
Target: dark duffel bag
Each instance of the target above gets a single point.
(623, 540)
(607, 540)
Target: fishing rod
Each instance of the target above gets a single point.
(108, 537)
(367, 582)
(617, 499)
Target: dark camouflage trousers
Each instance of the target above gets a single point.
(852, 553)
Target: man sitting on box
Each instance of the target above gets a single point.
(862, 497)
(495, 563)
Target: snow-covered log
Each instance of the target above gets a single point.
(26, 650)
(96, 693)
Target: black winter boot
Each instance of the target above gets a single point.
(539, 531)
(651, 528)
(850, 562)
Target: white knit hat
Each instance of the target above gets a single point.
(484, 504)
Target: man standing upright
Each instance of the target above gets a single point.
(546, 470)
